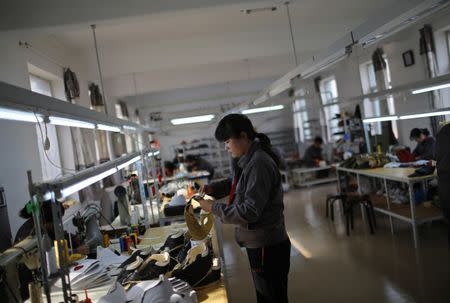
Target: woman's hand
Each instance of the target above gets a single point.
(206, 205)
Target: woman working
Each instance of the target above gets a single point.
(426, 145)
(255, 206)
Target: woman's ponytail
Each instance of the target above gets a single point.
(267, 147)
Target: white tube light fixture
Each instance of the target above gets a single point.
(280, 88)
(85, 183)
(108, 128)
(127, 127)
(194, 119)
(155, 153)
(326, 63)
(380, 119)
(18, 115)
(261, 99)
(262, 109)
(425, 115)
(128, 163)
(430, 88)
(70, 122)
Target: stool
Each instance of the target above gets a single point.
(354, 199)
(348, 202)
(329, 204)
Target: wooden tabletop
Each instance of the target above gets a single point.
(395, 174)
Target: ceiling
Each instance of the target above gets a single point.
(169, 46)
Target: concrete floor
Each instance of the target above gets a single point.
(328, 266)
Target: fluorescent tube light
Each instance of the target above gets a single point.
(431, 88)
(155, 153)
(70, 122)
(108, 128)
(261, 99)
(424, 115)
(380, 119)
(18, 115)
(85, 183)
(126, 127)
(280, 88)
(262, 109)
(195, 119)
(129, 162)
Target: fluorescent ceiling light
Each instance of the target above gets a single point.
(129, 162)
(424, 115)
(380, 119)
(326, 63)
(155, 153)
(262, 109)
(85, 183)
(431, 88)
(261, 99)
(70, 122)
(195, 119)
(126, 127)
(108, 128)
(18, 115)
(280, 88)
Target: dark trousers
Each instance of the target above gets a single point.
(270, 268)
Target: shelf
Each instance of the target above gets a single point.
(403, 211)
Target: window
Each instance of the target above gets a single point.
(50, 159)
(303, 129)
(329, 97)
(40, 85)
(372, 108)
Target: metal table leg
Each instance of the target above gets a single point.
(388, 199)
(412, 202)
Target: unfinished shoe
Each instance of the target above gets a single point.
(173, 244)
(197, 267)
(153, 266)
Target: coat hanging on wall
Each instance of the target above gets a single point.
(71, 85)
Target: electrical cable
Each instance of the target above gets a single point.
(43, 145)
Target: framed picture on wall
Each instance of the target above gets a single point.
(408, 58)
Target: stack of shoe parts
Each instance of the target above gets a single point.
(196, 259)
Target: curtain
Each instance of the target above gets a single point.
(428, 53)
(387, 136)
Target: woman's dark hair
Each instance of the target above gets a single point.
(232, 125)
(416, 132)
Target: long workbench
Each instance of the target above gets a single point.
(410, 213)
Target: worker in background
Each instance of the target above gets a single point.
(197, 163)
(443, 171)
(313, 154)
(426, 145)
(255, 206)
(169, 168)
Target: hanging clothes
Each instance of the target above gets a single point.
(71, 85)
(96, 96)
(428, 53)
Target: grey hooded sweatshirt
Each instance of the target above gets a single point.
(257, 207)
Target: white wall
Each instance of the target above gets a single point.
(349, 82)
(18, 150)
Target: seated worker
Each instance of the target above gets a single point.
(197, 163)
(169, 168)
(314, 153)
(426, 145)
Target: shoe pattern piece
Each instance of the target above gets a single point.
(198, 229)
(162, 290)
(173, 244)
